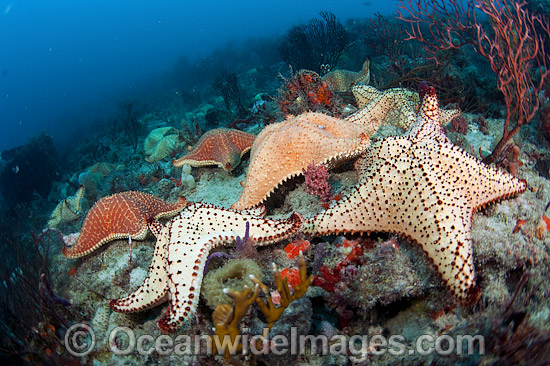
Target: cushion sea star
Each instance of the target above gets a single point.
(396, 106)
(121, 215)
(423, 187)
(181, 251)
(282, 150)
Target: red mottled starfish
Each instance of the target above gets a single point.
(223, 147)
(122, 215)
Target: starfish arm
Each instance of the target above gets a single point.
(193, 233)
(449, 248)
(447, 115)
(482, 183)
(369, 117)
(187, 254)
(364, 94)
(154, 289)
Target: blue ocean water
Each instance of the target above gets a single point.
(66, 64)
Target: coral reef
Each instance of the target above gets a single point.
(307, 92)
(234, 275)
(409, 219)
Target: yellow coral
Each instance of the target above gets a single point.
(272, 313)
(226, 318)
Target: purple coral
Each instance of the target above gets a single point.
(317, 182)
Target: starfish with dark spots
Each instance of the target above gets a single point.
(397, 107)
(340, 80)
(223, 147)
(283, 150)
(423, 187)
(182, 249)
(119, 216)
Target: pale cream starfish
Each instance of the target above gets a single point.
(396, 106)
(423, 187)
(181, 251)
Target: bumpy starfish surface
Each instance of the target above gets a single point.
(223, 147)
(423, 187)
(121, 215)
(396, 106)
(282, 150)
(341, 80)
(181, 251)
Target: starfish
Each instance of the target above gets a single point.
(423, 187)
(282, 150)
(223, 147)
(341, 80)
(121, 215)
(181, 251)
(396, 106)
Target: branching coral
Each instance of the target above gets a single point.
(513, 45)
(226, 318)
(317, 44)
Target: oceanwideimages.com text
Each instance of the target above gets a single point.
(80, 340)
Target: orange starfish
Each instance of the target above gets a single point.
(223, 147)
(121, 215)
(282, 150)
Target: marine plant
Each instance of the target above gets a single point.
(315, 46)
(513, 44)
(227, 86)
